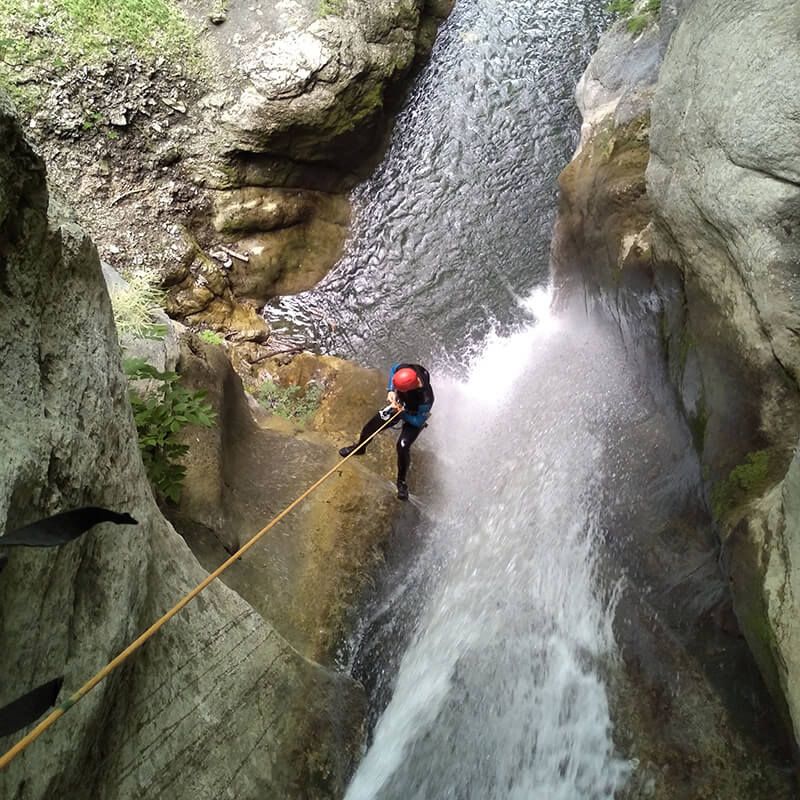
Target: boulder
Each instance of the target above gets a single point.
(296, 114)
(218, 699)
(724, 177)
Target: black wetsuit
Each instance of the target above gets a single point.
(416, 409)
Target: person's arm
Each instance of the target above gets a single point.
(418, 419)
(391, 395)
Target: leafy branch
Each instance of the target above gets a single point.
(160, 414)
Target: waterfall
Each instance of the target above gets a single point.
(455, 224)
(560, 459)
(501, 692)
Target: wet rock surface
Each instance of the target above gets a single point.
(726, 192)
(306, 574)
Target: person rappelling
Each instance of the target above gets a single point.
(409, 392)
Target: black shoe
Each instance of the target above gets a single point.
(345, 451)
(402, 490)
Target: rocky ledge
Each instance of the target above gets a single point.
(223, 163)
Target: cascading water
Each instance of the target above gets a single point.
(500, 694)
(456, 222)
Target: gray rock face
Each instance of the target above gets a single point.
(296, 80)
(724, 177)
(622, 74)
(725, 166)
(708, 239)
(218, 704)
(298, 93)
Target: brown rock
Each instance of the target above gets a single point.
(259, 209)
(286, 261)
(307, 573)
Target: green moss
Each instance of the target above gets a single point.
(331, 8)
(637, 21)
(626, 145)
(210, 337)
(54, 36)
(743, 483)
(603, 140)
(354, 110)
(369, 102)
(292, 402)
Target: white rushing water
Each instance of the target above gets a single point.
(500, 694)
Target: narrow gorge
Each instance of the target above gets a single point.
(582, 218)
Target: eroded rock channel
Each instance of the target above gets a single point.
(591, 594)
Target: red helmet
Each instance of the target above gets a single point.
(404, 380)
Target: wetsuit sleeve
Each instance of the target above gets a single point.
(418, 419)
(394, 369)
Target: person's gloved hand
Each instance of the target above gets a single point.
(393, 401)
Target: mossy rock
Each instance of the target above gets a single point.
(745, 482)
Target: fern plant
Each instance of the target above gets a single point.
(160, 414)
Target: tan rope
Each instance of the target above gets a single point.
(87, 687)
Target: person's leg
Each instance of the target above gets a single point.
(408, 436)
(372, 425)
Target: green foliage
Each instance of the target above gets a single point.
(91, 120)
(331, 7)
(744, 482)
(133, 304)
(621, 7)
(95, 27)
(53, 36)
(160, 414)
(638, 21)
(211, 337)
(292, 402)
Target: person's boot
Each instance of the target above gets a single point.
(345, 451)
(402, 490)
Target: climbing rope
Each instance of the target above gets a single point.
(87, 687)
